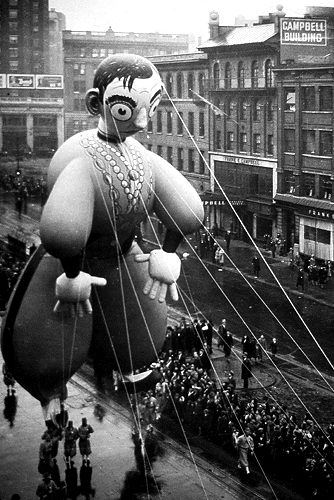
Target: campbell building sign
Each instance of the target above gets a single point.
(305, 40)
(303, 32)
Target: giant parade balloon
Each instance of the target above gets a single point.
(89, 288)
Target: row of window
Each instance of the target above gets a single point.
(244, 145)
(312, 98)
(177, 158)
(180, 123)
(185, 85)
(313, 142)
(243, 108)
(312, 185)
(223, 77)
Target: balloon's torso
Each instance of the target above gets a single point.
(122, 178)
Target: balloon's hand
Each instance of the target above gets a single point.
(73, 294)
(164, 270)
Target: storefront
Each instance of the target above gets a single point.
(225, 214)
(313, 221)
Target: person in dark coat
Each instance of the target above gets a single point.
(300, 278)
(84, 431)
(228, 240)
(256, 265)
(245, 342)
(273, 347)
(246, 370)
(222, 332)
(228, 346)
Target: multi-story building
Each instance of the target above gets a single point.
(305, 82)
(243, 137)
(84, 50)
(179, 130)
(31, 99)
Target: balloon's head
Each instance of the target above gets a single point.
(127, 90)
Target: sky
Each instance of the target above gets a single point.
(171, 16)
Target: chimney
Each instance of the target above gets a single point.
(214, 25)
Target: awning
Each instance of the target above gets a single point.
(305, 201)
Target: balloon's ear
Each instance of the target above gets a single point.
(92, 102)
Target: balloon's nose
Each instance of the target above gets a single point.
(141, 119)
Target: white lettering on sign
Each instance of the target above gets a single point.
(303, 32)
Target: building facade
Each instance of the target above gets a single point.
(243, 137)
(31, 99)
(305, 81)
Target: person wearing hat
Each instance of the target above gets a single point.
(245, 447)
(46, 488)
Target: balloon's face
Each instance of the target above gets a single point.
(126, 111)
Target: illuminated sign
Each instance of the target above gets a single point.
(49, 82)
(303, 32)
(21, 81)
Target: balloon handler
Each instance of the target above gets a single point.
(89, 288)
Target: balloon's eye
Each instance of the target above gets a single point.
(121, 111)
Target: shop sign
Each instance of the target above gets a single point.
(49, 81)
(303, 32)
(323, 214)
(21, 81)
(2, 81)
(222, 203)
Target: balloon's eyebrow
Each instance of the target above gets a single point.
(158, 92)
(121, 98)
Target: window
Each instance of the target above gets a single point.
(317, 234)
(308, 98)
(180, 158)
(270, 144)
(169, 122)
(82, 52)
(159, 150)
(325, 187)
(256, 110)
(308, 142)
(308, 184)
(13, 39)
(79, 104)
(35, 43)
(201, 126)
(79, 69)
(243, 141)
(228, 75)
(79, 86)
(103, 53)
(13, 3)
(35, 18)
(218, 139)
(243, 110)
(289, 140)
(254, 183)
(241, 75)
(270, 111)
(256, 143)
(13, 26)
(12, 13)
(289, 182)
(13, 65)
(201, 163)
(13, 52)
(268, 71)
(191, 123)
(149, 146)
(169, 84)
(159, 122)
(170, 154)
(325, 143)
(289, 99)
(190, 81)
(179, 123)
(229, 108)
(216, 75)
(191, 160)
(255, 74)
(326, 98)
(179, 85)
(150, 126)
(95, 52)
(201, 83)
(229, 140)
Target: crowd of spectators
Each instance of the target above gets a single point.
(291, 448)
(24, 186)
(11, 266)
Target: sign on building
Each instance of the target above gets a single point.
(21, 81)
(49, 82)
(303, 32)
(3, 82)
(305, 40)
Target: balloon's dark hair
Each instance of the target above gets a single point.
(122, 66)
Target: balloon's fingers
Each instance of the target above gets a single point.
(57, 307)
(73, 310)
(142, 257)
(154, 289)
(79, 310)
(87, 307)
(163, 292)
(173, 292)
(148, 286)
(98, 281)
